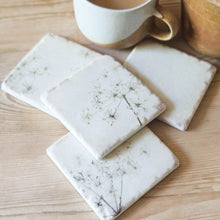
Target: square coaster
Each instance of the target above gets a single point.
(179, 79)
(48, 63)
(113, 184)
(103, 105)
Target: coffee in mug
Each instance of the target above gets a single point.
(118, 4)
(123, 23)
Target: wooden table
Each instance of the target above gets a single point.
(30, 185)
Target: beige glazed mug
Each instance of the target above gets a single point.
(122, 28)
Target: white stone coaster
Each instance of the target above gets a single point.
(48, 63)
(103, 105)
(179, 79)
(113, 184)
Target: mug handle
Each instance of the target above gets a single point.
(170, 20)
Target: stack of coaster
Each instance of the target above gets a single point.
(105, 107)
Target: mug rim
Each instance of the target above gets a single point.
(118, 10)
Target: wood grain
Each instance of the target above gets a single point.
(30, 185)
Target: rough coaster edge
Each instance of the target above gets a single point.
(44, 99)
(213, 70)
(175, 159)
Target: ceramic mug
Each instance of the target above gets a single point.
(116, 28)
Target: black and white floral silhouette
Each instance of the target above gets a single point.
(112, 179)
(107, 100)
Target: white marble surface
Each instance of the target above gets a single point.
(47, 64)
(180, 80)
(103, 105)
(113, 184)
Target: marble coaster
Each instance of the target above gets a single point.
(103, 105)
(47, 64)
(179, 79)
(113, 184)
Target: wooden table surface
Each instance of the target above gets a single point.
(31, 187)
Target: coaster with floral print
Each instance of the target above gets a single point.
(113, 184)
(47, 64)
(103, 105)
